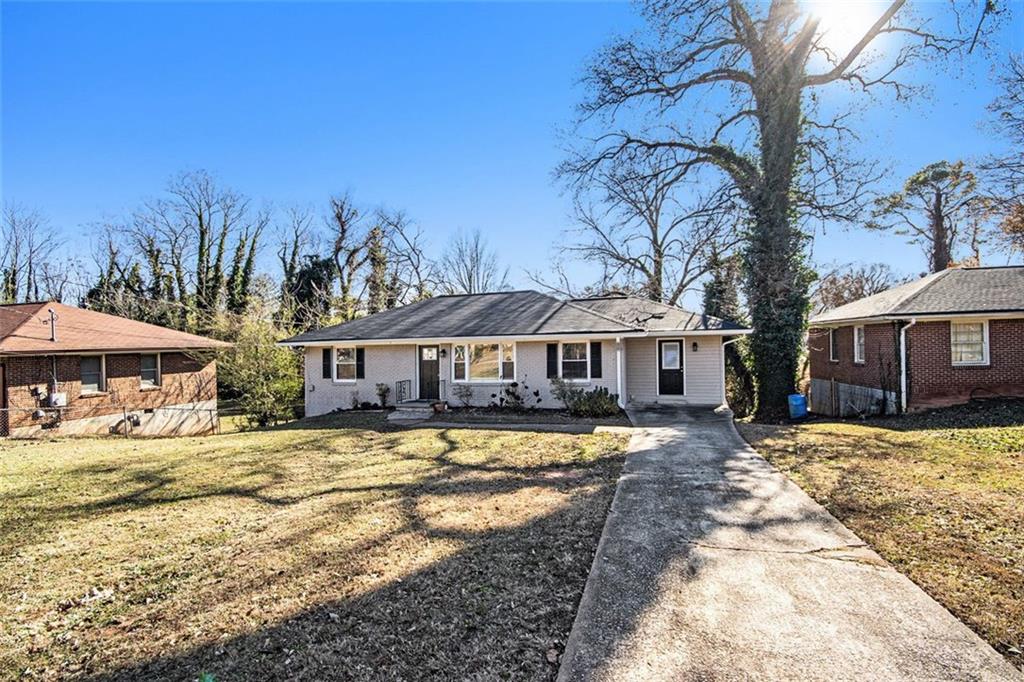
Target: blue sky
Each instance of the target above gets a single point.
(449, 111)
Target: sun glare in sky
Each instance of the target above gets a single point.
(844, 22)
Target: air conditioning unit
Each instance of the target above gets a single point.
(58, 400)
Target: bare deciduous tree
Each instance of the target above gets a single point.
(469, 266)
(25, 259)
(191, 252)
(1006, 172)
(650, 231)
(349, 252)
(413, 276)
(759, 68)
(853, 282)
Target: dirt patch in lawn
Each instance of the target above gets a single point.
(495, 415)
(938, 495)
(330, 548)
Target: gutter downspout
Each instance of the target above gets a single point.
(724, 344)
(903, 365)
(619, 357)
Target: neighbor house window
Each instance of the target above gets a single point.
(969, 342)
(345, 364)
(484, 362)
(93, 380)
(575, 362)
(833, 347)
(858, 344)
(150, 370)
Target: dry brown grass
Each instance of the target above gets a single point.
(332, 548)
(939, 496)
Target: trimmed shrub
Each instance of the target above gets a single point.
(597, 402)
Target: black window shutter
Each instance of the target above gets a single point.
(595, 359)
(327, 363)
(360, 363)
(552, 360)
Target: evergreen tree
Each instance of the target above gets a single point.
(722, 300)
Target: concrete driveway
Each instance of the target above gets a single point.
(713, 565)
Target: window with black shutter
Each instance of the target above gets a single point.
(595, 359)
(360, 363)
(327, 363)
(552, 360)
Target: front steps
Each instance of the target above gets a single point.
(412, 411)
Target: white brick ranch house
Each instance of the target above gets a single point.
(642, 351)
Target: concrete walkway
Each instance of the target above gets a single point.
(714, 566)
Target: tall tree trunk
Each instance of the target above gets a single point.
(941, 256)
(777, 277)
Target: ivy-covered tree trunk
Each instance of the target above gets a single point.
(778, 279)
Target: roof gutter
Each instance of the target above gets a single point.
(878, 319)
(903, 364)
(406, 341)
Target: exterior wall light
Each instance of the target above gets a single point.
(694, 346)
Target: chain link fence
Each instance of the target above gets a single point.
(121, 420)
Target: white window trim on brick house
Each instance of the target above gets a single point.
(103, 374)
(985, 348)
(159, 373)
(833, 347)
(860, 347)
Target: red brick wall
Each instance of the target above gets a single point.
(880, 356)
(183, 380)
(934, 380)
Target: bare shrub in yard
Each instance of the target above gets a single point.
(517, 397)
(383, 391)
(464, 393)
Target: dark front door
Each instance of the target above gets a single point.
(670, 368)
(430, 374)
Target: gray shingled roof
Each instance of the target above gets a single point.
(515, 313)
(950, 292)
(507, 313)
(653, 316)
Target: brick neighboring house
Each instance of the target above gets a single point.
(65, 370)
(941, 340)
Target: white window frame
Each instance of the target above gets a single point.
(159, 373)
(833, 347)
(103, 374)
(859, 350)
(465, 363)
(985, 351)
(561, 359)
(354, 363)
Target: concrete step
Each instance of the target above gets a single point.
(410, 414)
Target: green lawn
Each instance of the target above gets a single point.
(940, 496)
(330, 548)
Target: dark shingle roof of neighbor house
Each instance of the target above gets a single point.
(506, 313)
(950, 292)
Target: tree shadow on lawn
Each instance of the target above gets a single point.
(493, 608)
